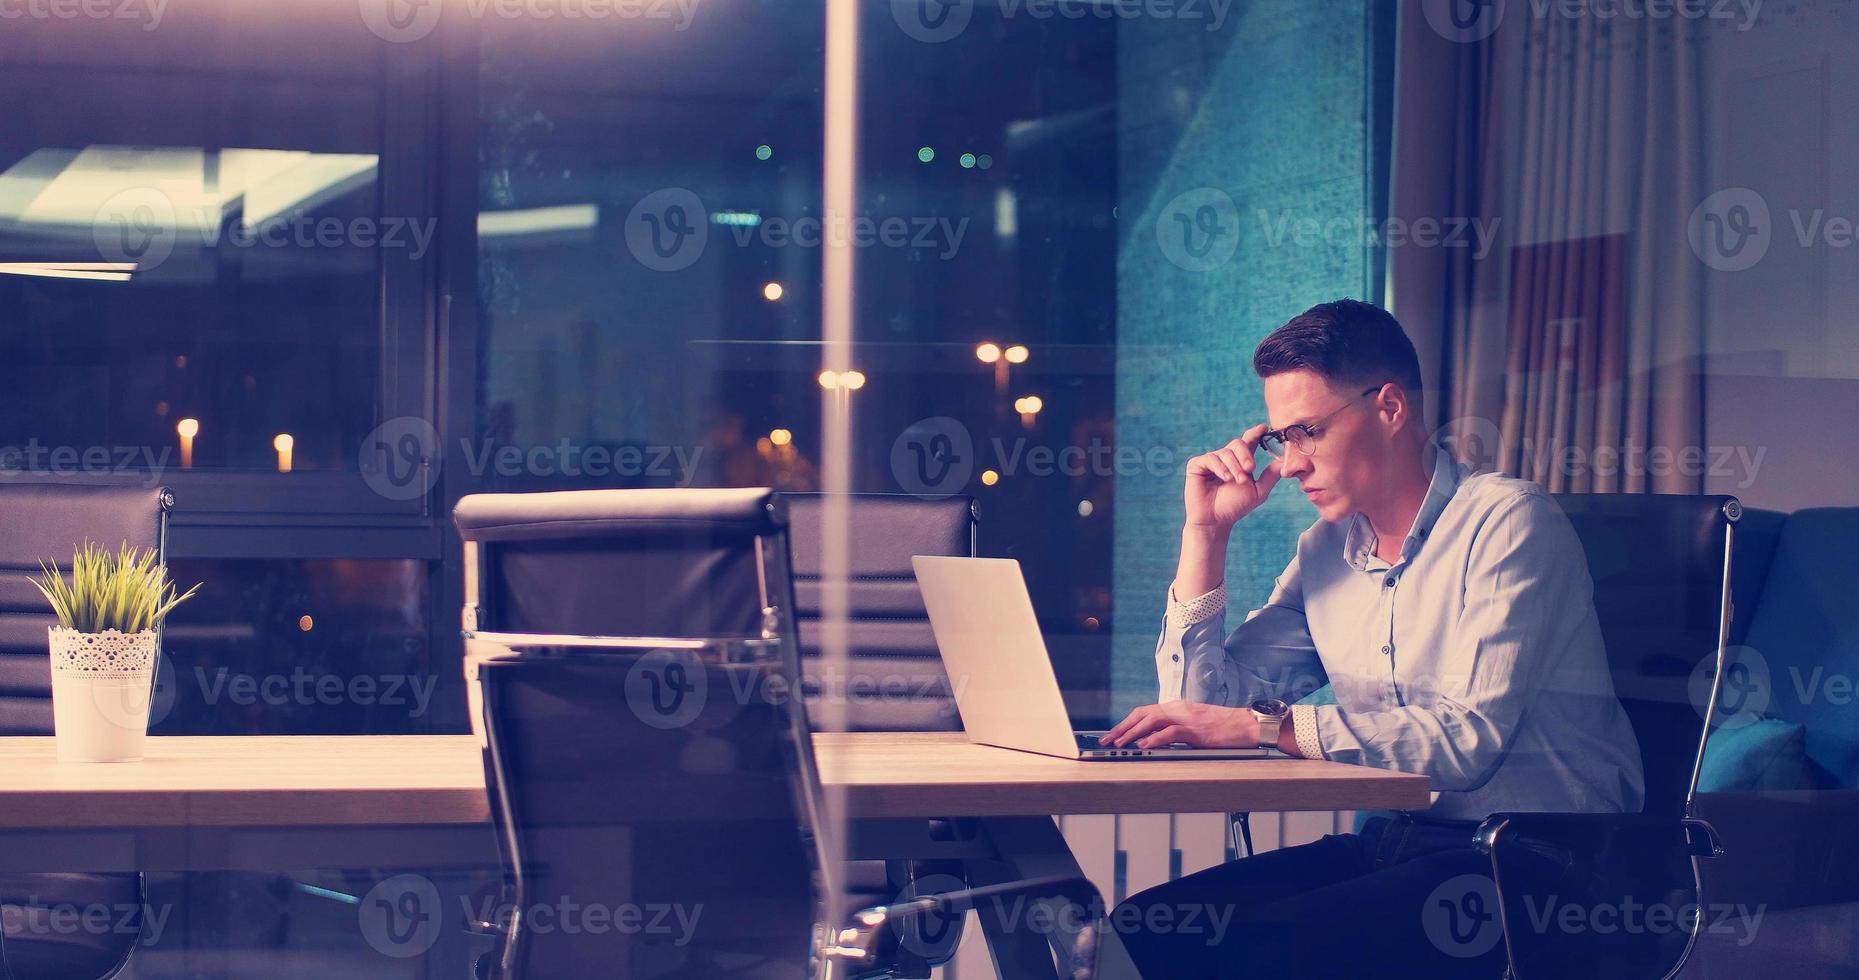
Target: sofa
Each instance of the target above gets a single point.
(1781, 781)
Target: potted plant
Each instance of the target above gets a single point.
(103, 649)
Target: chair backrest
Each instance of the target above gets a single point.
(649, 813)
(44, 522)
(1661, 593)
(895, 679)
(651, 778)
(667, 563)
(1805, 629)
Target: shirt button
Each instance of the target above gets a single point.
(1386, 649)
(1176, 657)
(1388, 583)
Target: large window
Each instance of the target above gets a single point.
(214, 238)
(217, 254)
(325, 272)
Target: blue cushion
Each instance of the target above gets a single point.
(1805, 634)
(1765, 754)
(1323, 695)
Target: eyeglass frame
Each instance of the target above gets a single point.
(1312, 430)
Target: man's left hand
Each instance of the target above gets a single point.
(1191, 723)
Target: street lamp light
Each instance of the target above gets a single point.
(989, 352)
(1028, 408)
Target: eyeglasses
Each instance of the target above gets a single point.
(1303, 436)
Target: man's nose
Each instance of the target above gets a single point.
(1294, 464)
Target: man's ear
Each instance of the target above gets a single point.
(1395, 405)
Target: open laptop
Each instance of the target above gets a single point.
(1000, 672)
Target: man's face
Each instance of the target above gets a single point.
(1345, 472)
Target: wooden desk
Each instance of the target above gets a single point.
(362, 782)
(905, 774)
(284, 803)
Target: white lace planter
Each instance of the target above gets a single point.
(101, 683)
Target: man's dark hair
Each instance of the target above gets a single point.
(1348, 341)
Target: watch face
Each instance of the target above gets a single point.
(1270, 706)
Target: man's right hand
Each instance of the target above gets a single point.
(1222, 486)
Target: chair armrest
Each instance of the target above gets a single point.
(1566, 836)
(858, 942)
(1584, 894)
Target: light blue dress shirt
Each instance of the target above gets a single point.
(1475, 660)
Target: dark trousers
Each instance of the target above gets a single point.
(1404, 898)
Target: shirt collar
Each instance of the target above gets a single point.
(1359, 542)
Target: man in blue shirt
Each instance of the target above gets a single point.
(1451, 613)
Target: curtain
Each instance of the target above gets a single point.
(1568, 351)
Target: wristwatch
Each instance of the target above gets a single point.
(1271, 714)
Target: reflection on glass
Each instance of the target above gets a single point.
(285, 646)
(271, 253)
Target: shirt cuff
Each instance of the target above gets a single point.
(1182, 615)
(1304, 729)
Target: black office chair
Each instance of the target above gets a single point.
(895, 679)
(1662, 568)
(44, 522)
(593, 619)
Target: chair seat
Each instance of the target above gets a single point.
(60, 926)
